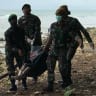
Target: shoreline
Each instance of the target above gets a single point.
(91, 30)
(44, 34)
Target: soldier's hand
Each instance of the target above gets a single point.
(46, 49)
(91, 45)
(20, 52)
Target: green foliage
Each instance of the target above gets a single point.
(68, 91)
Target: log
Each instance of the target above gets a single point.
(3, 75)
(6, 74)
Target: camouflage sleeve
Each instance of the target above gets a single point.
(49, 41)
(37, 27)
(83, 30)
(19, 22)
(51, 30)
(21, 25)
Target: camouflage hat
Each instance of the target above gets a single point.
(26, 6)
(12, 16)
(62, 10)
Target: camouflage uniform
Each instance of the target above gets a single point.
(63, 47)
(15, 40)
(31, 25)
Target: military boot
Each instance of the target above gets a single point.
(13, 86)
(66, 82)
(24, 85)
(49, 88)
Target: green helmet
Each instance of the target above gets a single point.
(12, 16)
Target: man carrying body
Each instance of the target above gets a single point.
(63, 42)
(15, 43)
(31, 24)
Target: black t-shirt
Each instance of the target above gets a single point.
(15, 37)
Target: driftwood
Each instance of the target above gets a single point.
(3, 75)
(6, 74)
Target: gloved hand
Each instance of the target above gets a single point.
(91, 45)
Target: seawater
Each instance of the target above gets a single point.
(86, 17)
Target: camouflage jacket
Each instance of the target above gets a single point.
(31, 25)
(65, 33)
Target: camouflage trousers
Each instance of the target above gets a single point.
(10, 55)
(64, 58)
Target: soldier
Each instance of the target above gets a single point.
(63, 41)
(31, 24)
(15, 43)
